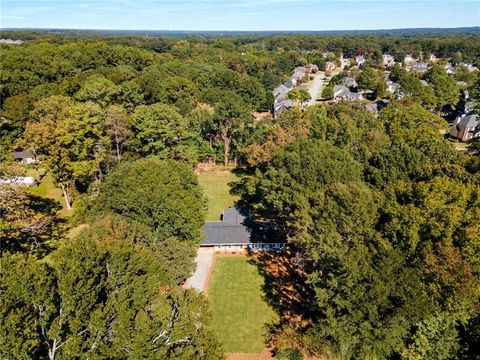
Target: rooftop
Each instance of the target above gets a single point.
(236, 228)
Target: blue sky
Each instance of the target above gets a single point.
(239, 14)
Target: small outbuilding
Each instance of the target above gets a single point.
(25, 157)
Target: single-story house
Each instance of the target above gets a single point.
(342, 93)
(25, 157)
(465, 127)
(236, 232)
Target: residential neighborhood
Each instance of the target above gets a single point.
(233, 188)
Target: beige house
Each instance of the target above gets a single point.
(465, 128)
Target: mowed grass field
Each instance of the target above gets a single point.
(214, 183)
(239, 310)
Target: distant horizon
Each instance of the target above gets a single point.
(239, 15)
(466, 28)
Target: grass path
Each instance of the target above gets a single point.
(239, 310)
(214, 183)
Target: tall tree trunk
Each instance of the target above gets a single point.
(226, 150)
(119, 155)
(65, 196)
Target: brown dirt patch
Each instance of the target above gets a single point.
(264, 355)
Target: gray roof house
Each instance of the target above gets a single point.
(236, 232)
(465, 127)
(26, 157)
(282, 105)
(341, 92)
(349, 82)
(280, 91)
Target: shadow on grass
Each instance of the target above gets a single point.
(285, 287)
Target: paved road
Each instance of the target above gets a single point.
(204, 261)
(315, 88)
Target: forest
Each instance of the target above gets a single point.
(380, 211)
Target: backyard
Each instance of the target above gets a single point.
(46, 189)
(240, 312)
(214, 183)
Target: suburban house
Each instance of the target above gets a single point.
(25, 157)
(450, 69)
(360, 60)
(391, 87)
(342, 93)
(468, 67)
(281, 106)
(344, 61)
(299, 74)
(330, 66)
(349, 82)
(375, 107)
(311, 68)
(419, 67)
(388, 60)
(281, 102)
(409, 59)
(280, 91)
(236, 232)
(465, 127)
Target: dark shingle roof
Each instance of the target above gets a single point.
(231, 230)
(220, 233)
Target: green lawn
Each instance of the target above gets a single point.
(47, 189)
(215, 187)
(239, 310)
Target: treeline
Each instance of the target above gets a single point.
(384, 218)
(80, 107)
